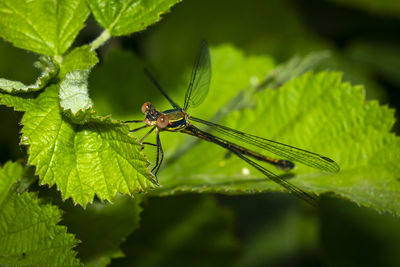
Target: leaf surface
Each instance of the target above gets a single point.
(124, 17)
(316, 112)
(45, 27)
(29, 232)
(97, 157)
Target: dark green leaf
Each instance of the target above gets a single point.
(29, 233)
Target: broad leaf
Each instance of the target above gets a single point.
(316, 112)
(45, 27)
(29, 232)
(74, 95)
(123, 17)
(82, 160)
(80, 58)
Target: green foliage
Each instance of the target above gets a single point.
(61, 128)
(325, 111)
(64, 153)
(123, 17)
(74, 95)
(45, 27)
(88, 156)
(29, 230)
(80, 58)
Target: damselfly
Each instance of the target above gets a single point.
(178, 120)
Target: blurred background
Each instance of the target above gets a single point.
(272, 229)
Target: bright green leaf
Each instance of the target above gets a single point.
(315, 112)
(45, 27)
(102, 227)
(81, 58)
(49, 70)
(29, 234)
(124, 17)
(83, 160)
(74, 95)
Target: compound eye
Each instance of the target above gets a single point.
(145, 107)
(162, 121)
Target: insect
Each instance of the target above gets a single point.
(178, 120)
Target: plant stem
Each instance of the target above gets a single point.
(99, 41)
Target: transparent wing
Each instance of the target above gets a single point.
(288, 152)
(200, 79)
(158, 86)
(308, 197)
(193, 130)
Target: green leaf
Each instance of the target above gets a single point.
(179, 231)
(80, 58)
(83, 160)
(49, 70)
(45, 27)
(74, 95)
(9, 174)
(316, 112)
(124, 17)
(29, 232)
(102, 227)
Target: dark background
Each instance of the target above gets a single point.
(267, 229)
